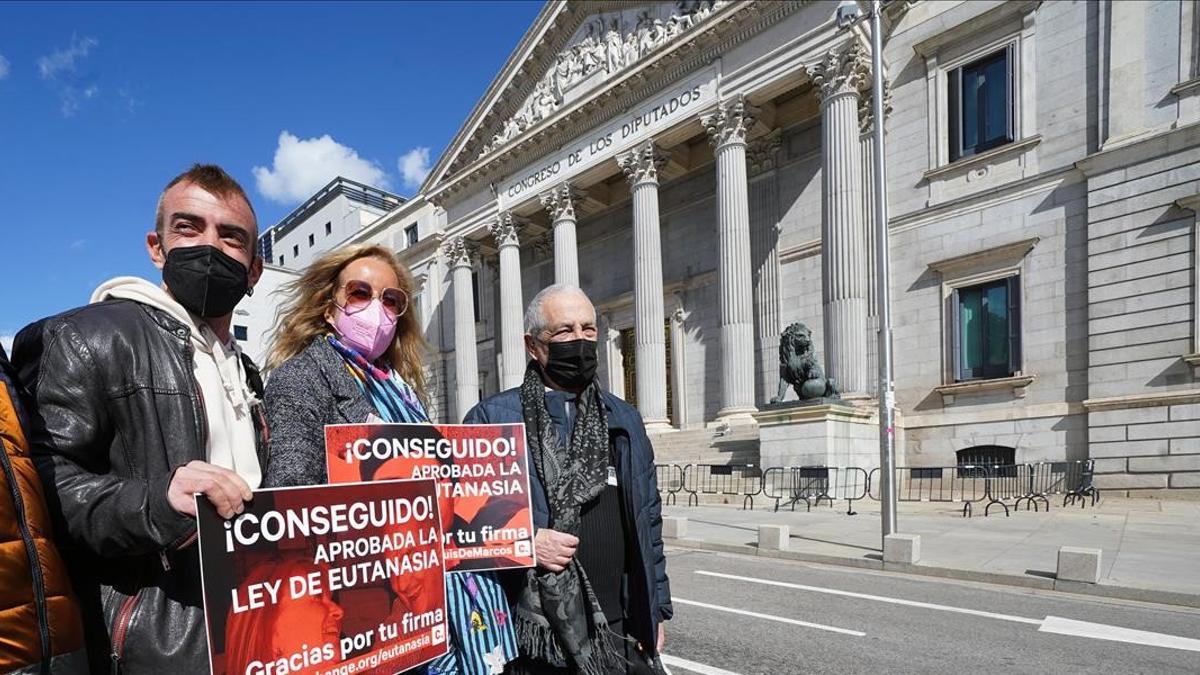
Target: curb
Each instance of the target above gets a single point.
(1039, 583)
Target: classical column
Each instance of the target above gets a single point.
(461, 254)
(866, 142)
(727, 128)
(641, 166)
(839, 78)
(561, 201)
(761, 156)
(512, 345)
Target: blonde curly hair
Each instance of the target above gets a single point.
(302, 315)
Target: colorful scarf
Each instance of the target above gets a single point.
(482, 636)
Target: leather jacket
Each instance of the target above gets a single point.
(115, 409)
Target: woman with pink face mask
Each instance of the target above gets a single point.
(348, 350)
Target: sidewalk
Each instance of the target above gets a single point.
(1151, 549)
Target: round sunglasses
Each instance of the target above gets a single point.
(359, 295)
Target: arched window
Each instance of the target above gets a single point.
(986, 456)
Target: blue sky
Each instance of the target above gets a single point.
(102, 103)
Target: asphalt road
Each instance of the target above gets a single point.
(864, 621)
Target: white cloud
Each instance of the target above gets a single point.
(78, 244)
(63, 60)
(62, 70)
(414, 167)
(4, 69)
(303, 166)
(7, 341)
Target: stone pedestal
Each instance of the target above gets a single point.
(822, 432)
(902, 548)
(774, 537)
(1079, 564)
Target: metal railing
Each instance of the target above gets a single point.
(788, 485)
(1005, 486)
(734, 480)
(670, 482)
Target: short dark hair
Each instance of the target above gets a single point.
(213, 179)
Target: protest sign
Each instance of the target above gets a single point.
(483, 482)
(325, 580)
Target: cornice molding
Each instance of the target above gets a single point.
(1005, 254)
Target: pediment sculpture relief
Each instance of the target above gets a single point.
(603, 46)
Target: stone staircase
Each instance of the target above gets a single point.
(730, 445)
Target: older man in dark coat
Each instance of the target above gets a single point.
(597, 601)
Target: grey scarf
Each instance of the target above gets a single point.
(557, 617)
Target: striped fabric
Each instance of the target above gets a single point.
(481, 636)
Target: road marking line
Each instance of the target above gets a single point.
(693, 666)
(877, 598)
(1099, 631)
(771, 617)
(1051, 624)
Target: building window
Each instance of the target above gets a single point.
(981, 104)
(296, 251)
(978, 461)
(987, 331)
(311, 239)
(239, 333)
(328, 229)
(410, 234)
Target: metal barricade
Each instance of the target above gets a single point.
(735, 480)
(966, 484)
(1079, 484)
(788, 485)
(670, 482)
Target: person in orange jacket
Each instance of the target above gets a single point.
(41, 630)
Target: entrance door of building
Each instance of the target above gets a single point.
(629, 369)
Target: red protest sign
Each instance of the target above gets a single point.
(324, 580)
(483, 482)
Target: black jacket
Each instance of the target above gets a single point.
(115, 409)
(648, 594)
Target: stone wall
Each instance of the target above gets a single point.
(1147, 448)
(1144, 399)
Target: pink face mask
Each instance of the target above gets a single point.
(368, 331)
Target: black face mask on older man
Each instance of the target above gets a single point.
(572, 363)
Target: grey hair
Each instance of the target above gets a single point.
(535, 316)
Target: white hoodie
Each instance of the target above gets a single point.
(218, 370)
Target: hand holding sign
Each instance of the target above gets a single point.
(277, 578)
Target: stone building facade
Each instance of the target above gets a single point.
(703, 170)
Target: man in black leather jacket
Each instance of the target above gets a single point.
(140, 403)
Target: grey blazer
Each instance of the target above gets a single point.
(310, 390)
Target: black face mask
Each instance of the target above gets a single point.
(205, 280)
(572, 364)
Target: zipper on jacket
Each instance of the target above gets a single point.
(121, 629)
(35, 563)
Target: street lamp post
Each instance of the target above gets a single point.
(887, 394)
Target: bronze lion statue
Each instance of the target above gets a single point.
(798, 367)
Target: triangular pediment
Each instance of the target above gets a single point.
(572, 50)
